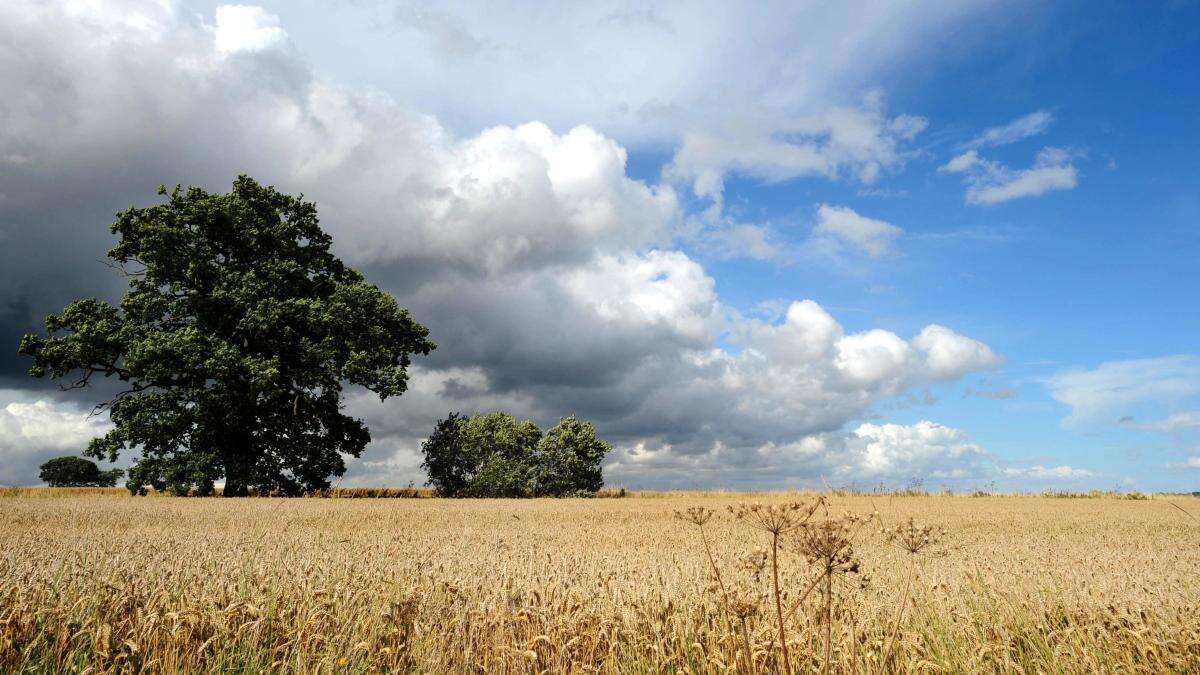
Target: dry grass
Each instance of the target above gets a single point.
(102, 582)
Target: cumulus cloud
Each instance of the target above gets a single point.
(527, 195)
(876, 360)
(990, 182)
(543, 270)
(33, 430)
(1112, 389)
(1019, 129)
(921, 449)
(869, 454)
(658, 288)
(398, 185)
(949, 355)
(871, 236)
(670, 401)
(647, 371)
(509, 197)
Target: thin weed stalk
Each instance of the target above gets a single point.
(787, 665)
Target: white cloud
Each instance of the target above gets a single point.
(1110, 390)
(246, 28)
(906, 127)
(1193, 462)
(1039, 472)
(640, 73)
(527, 195)
(398, 185)
(964, 162)
(871, 453)
(741, 240)
(33, 430)
(989, 182)
(873, 237)
(949, 355)
(855, 142)
(1019, 129)
(873, 356)
(1173, 423)
(641, 361)
(994, 394)
(873, 360)
(509, 197)
(659, 288)
(921, 449)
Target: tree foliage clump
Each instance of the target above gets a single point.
(494, 455)
(233, 343)
(77, 472)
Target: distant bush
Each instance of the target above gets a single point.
(77, 472)
(618, 493)
(494, 455)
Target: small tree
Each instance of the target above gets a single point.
(500, 477)
(234, 341)
(482, 456)
(568, 459)
(77, 472)
(494, 455)
(449, 464)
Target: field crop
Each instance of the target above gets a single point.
(100, 582)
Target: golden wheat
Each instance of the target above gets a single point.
(104, 583)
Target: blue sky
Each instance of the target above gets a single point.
(1106, 271)
(1020, 176)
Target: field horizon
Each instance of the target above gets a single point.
(410, 492)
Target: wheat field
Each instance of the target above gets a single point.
(100, 582)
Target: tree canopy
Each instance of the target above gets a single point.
(233, 343)
(494, 455)
(77, 472)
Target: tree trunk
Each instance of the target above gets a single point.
(238, 455)
(237, 459)
(235, 480)
(235, 489)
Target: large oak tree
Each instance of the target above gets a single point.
(233, 343)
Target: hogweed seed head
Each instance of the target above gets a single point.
(776, 518)
(744, 606)
(755, 563)
(913, 538)
(696, 515)
(830, 543)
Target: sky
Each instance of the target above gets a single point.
(764, 245)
